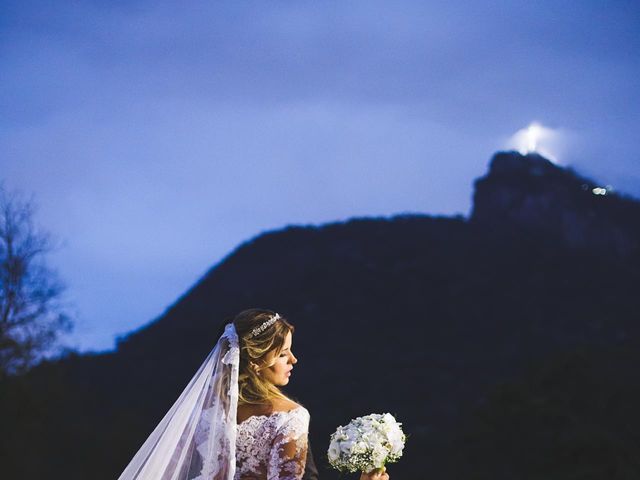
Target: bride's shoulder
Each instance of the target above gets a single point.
(285, 405)
(293, 420)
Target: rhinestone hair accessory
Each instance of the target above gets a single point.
(265, 325)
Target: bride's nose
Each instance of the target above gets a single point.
(293, 358)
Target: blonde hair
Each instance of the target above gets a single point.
(256, 350)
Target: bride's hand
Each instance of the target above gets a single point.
(380, 474)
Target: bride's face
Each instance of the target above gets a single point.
(280, 371)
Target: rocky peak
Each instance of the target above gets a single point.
(531, 192)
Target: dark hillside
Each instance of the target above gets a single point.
(460, 328)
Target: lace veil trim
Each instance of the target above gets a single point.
(196, 439)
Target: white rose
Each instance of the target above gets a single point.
(347, 446)
(379, 455)
(396, 448)
(334, 451)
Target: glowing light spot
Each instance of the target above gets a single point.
(536, 138)
(533, 135)
(599, 191)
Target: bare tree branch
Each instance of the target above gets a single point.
(31, 311)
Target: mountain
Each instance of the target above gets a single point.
(511, 331)
(531, 192)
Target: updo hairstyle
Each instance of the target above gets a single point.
(258, 353)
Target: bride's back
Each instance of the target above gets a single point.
(271, 441)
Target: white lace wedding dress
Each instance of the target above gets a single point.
(272, 447)
(195, 438)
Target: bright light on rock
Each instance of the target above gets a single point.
(533, 133)
(536, 138)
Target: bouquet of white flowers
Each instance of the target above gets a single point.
(366, 443)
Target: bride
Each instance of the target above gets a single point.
(232, 421)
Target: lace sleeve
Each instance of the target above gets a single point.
(288, 453)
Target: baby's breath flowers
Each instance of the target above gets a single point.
(366, 443)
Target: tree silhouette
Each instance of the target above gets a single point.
(31, 312)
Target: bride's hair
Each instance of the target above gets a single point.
(256, 350)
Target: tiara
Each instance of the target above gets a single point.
(265, 325)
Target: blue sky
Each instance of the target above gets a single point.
(157, 136)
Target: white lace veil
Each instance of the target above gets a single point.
(196, 439)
